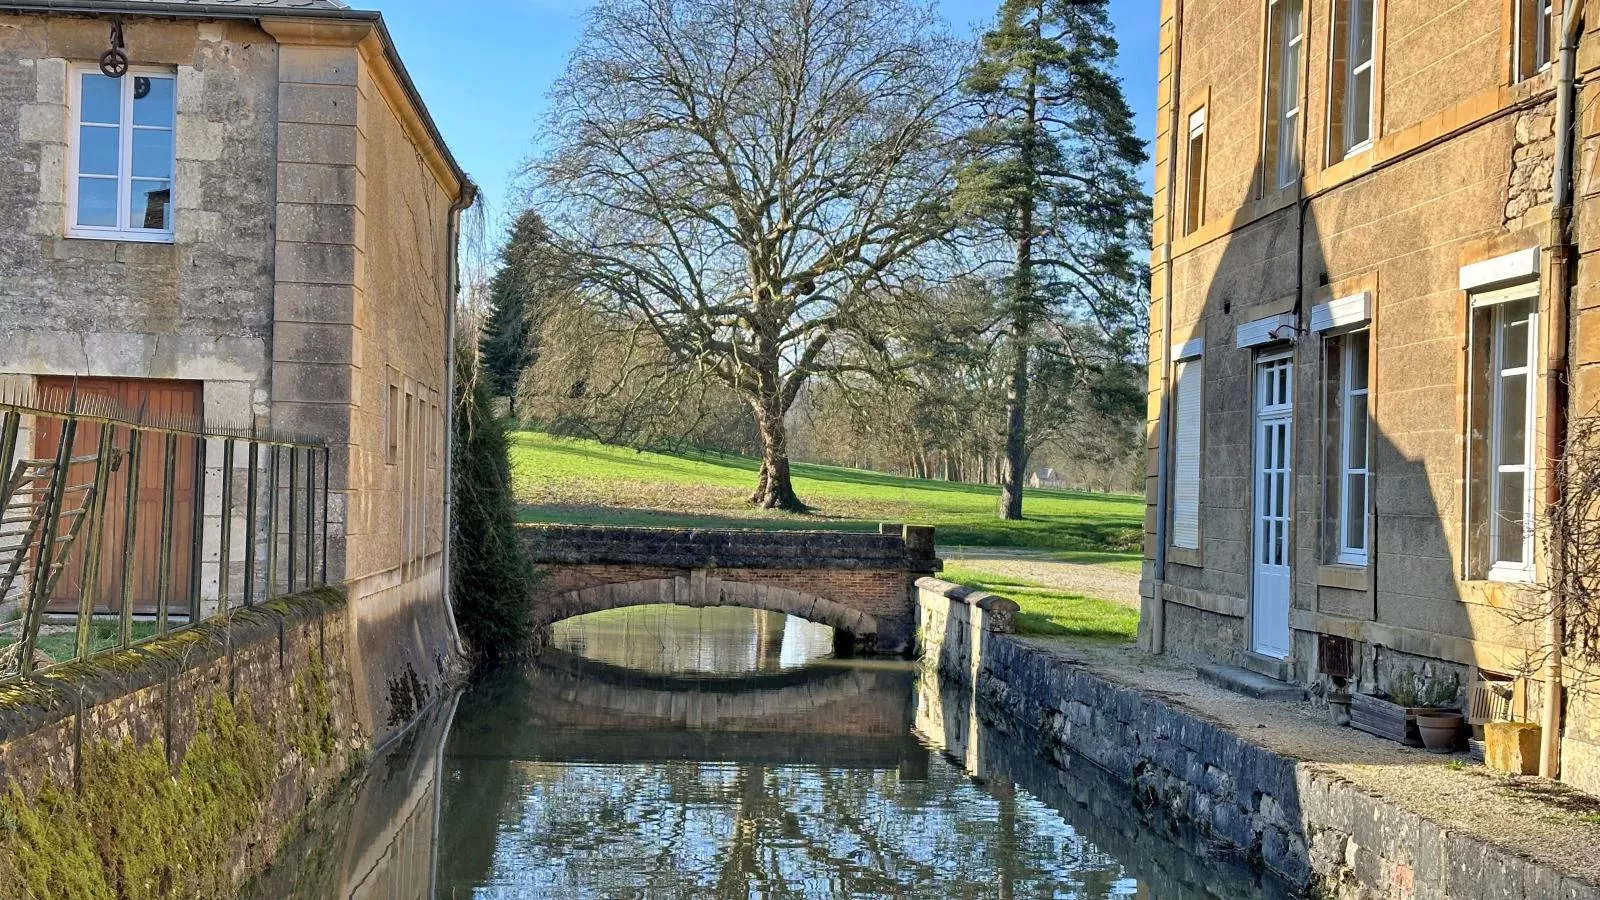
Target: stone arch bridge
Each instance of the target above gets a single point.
(861, 584)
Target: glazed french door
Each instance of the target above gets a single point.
(1274, 433)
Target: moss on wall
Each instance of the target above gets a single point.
(314, 734)
(135, 829)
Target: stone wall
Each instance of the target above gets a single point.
(1309, 827)
(283, 671)
(198, 308)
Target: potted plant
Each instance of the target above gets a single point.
(1397, 714)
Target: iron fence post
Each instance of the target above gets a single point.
(95, 510)
(130, 540)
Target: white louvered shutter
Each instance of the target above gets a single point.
(1186, 457)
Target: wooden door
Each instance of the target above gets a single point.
(160, 400)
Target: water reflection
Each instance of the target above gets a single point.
(674, 640)
(581, 777)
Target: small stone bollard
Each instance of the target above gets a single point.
(919, 540)
(890, 528)
(1512, 748)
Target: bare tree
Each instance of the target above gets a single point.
(750, 178)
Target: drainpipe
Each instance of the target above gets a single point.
(1157, 632)
(1556, 373)
(469, 195)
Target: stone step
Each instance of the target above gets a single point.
(1276, 669)
(1251, 684)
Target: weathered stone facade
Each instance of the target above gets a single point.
(1452, 199)
(861, 584)
(306, 288)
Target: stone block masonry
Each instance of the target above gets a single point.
(860, 584)
(1315, 829)
(267, 689)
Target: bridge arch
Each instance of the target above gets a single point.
(701, 589)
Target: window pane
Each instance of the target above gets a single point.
(1361, 32)
(152, 154)
(1515, 335)
(97, 202)
(1357, 411)
(1514, 420)
(97, 150)
(1357, 361)
(151, 205)
(1512, 518)
(1355, 515)
(1358, 129)
(101, 99)
(152, 101)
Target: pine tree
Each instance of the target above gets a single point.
(1052, 172)
(515, 295)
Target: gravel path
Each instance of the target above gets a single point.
(1040, 567)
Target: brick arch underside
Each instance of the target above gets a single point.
(701, 591)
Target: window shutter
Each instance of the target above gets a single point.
(1186, 457)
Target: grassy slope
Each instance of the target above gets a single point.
(585, 482)
(1052, 613)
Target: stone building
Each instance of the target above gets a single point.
(254, 226)
(1374, 317)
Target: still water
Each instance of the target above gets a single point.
(664, 752)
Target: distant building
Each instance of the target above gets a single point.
(1370, 331)
(254, 225)
(1045, 478)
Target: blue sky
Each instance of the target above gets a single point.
(485, 66)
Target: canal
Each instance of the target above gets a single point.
(721, 753)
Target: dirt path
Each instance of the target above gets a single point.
(1041, 567)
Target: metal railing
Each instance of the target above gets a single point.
(119, 527)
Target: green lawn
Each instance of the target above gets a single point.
(584, 482)
(1047, 612)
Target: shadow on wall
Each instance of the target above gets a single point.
(1337, 534)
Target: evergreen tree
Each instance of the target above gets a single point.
(1052, 173)
(491, 579)
(516, 294)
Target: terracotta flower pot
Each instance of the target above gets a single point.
(1440, 730)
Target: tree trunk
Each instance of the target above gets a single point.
(1016, 455)
(775, 488)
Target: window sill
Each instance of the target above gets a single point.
(1345, 576)
(1184, 556)
(128, 237)
(1510, 575)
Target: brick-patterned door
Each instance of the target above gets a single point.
(160, 400)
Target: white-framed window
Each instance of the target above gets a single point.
(123, 154)
(1511, 402)
(1194, 199)
(1355, 30)
(1188, 415)
(1285, 38)
(1355, 467)
(1535, 19)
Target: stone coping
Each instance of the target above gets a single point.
(42, 700)
(723, 548)
(970, 596)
